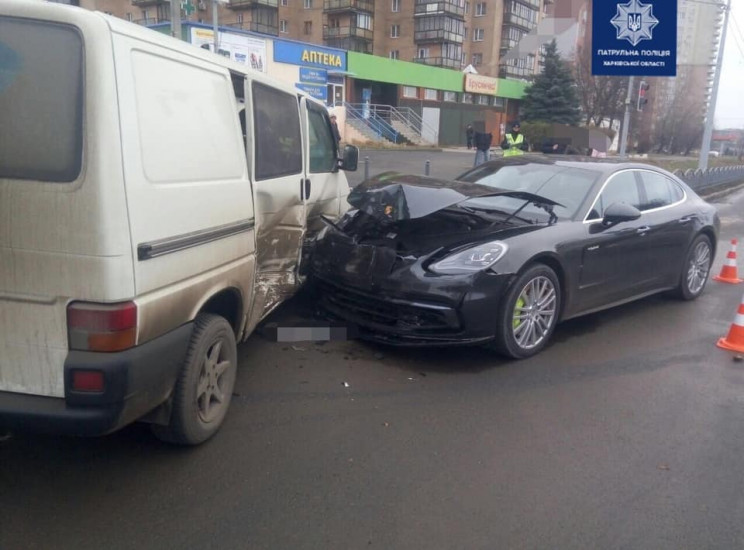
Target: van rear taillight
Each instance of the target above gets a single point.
(102, 327)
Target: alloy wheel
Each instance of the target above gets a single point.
(534, 312)
(697, 271)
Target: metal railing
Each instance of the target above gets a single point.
(410, 119)
(701, 180)
(365, 115)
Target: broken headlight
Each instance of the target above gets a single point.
(471, 260)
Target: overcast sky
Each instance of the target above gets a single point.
(730, 103)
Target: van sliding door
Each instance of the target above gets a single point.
(273, 124)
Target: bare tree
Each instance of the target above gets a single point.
(602, 97)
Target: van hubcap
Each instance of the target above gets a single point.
(210, 393)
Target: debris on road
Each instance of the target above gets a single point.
(298, 348)
(738, 358)
(346, 384)
(663, 466)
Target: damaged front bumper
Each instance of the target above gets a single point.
(450, 314)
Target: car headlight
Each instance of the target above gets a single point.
(471, 260)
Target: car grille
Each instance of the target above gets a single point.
(372, 311)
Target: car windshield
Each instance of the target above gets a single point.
(565, 185)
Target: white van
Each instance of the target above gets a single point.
(154, 201)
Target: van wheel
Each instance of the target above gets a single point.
(204, 387)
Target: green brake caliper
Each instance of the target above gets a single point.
(517, 310)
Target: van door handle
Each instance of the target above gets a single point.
(643, 230)
(306, 185)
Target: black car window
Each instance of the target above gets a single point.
(659, 191)
(621, 188)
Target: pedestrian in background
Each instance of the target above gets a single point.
(469, 132)
(336, 133)
(514, 142)
(482, 147)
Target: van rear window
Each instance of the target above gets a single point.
(41, 100)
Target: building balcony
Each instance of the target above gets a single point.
(439, 62)
(337, 33)
(520, 22)
(150, 21)
(253, 26)
(350, 44)
(441, 7)
(437, 35)
(250, 4)
(147, 3)
(340, 6)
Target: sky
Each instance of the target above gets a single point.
(730, 102)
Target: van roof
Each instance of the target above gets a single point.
(40, 9)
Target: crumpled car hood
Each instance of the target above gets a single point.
(392, 196)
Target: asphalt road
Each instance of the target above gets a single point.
(625, 433)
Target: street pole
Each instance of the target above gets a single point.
(175, 14)
(215, 26)
(626, 119)
(709, 117)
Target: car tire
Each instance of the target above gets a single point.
(528, 313)
(205, 384)
(696, 269)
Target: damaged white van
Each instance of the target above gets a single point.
(154, 201)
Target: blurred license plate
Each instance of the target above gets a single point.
(365, 261)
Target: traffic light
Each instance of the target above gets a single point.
(642, 99)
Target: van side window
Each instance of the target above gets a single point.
(322, 148)
(41, 101)
(278, 142)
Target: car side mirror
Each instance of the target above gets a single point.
(619, 212)
(350, 159)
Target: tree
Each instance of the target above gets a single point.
(552, 97)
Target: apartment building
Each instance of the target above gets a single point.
(441, 33)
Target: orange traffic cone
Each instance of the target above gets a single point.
(734, 341)
(728, 271)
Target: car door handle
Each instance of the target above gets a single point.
(684, 220)
(643, 230)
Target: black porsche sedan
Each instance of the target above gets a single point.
(510, 248)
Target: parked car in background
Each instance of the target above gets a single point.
(501, 255)
(146, 225)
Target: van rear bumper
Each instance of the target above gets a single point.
(136, 381)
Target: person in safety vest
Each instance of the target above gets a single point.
(514, 142)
